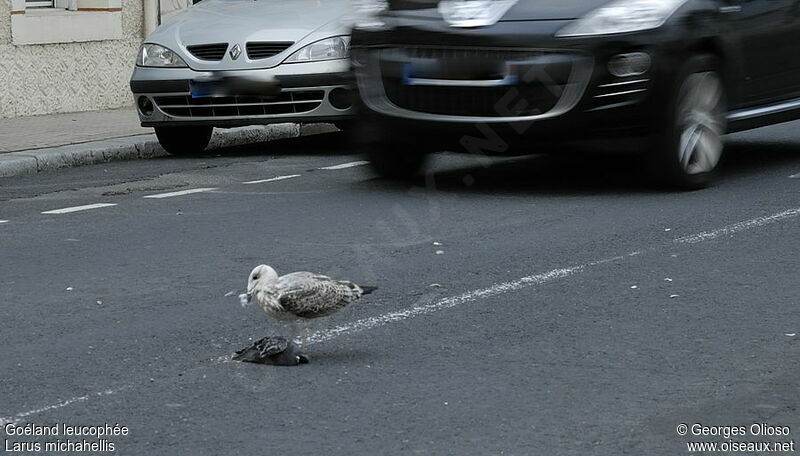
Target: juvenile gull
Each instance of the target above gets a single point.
(299, 296)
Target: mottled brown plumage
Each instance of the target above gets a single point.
(300, 296)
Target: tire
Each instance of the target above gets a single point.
(689, 144)
(395, 161)
(184, 140)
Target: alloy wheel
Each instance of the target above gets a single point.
(701, 123)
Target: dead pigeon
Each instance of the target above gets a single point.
(299, 296)
(275, 350)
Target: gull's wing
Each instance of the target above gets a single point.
(269, 346)
(310, 295)
(262, 349)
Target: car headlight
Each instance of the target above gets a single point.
(337, 47)
(366, 14)
(153, 55)
(622, 16)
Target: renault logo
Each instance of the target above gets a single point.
(235, 51)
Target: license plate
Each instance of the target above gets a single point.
(206, 89)
(481, 74)
(228, 86)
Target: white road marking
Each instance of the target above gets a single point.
(347, 165)
(273, 179)
(795, 176)
(736, 227)
(21, 416)
(453, 301)
(180, 193)
(87, 207)
(525, 282)
(3, 221)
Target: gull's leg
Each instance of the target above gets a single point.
(306, 332)
(292, 330)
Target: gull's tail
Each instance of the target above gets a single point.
(367, 290)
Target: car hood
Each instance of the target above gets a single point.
(523, 10)
(529, 10)
(241, 21)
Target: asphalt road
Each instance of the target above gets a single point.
(551, 305)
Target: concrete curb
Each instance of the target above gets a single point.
(139, 147)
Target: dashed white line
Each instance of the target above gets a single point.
(87, 207)
(180, 193)
(795, 176)
(272, 179)
(347, 165)
(21, 416)
(3, 221)
(736, 227)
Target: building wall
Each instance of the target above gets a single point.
(5, 24)
(68, 77)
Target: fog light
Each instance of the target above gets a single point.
(145, 106)
(341, 98)
(632, 64)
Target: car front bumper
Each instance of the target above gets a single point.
(589, 102)
(299, 92)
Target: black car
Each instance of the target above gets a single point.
(662, 78)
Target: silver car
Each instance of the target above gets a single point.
(229, 63)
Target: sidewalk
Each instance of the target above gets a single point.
(37, 132)
(40, 143)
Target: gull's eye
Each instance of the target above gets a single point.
(255, 276)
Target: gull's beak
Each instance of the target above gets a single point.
(246, 299)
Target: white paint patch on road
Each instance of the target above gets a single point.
(180, 193)
(347, 165)
(795, 176)
(736, 227)
(272, 179)
(3, 221)
(19, 417)
(453, 301)
(87, 207)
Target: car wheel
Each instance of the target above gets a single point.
(184, 140)
(690, 145)
(396, 161)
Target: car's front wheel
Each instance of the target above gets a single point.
(395, 160)
(690, 145)
(184, 140)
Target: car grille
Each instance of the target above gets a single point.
(405, 5)
(214, 52)
(620, 91)
(531, 96)
(466, 53)
(265, 49)
(240, 106)
(473, 101)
